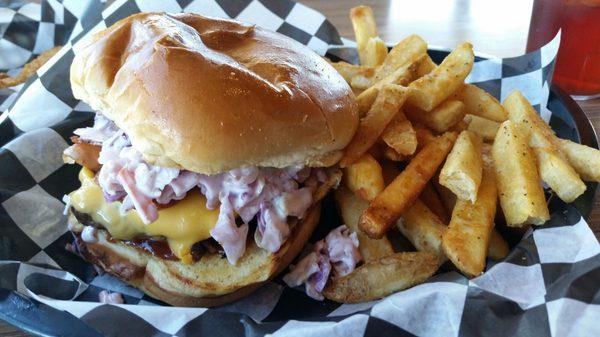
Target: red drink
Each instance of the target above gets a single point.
(577, 68)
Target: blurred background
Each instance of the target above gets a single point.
(498, 28)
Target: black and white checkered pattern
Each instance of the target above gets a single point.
(26, 30)
(538, 290)
(541, 289)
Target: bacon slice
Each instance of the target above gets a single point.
(82, 153)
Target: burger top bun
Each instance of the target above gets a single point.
(209, 95)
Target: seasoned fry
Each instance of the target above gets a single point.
(498, 247)
(466, 240)
(585, 160)
(401, 76)
(364, 177)
(441, 118)
(424, 136)
(486, 149)
(553, 166)
(461, 173)
(379, 278)
(482, 104)
(486, 128)
(352, 71)
(521, 194)
(360, 82)
(400, 135)
(426, 65)
(433, 201)
(460, 126)
(28, 69)
(375, 52)
(559, 174)
(350, 207)
(406, 52)
(388, 102)
(390, 204)
(363, 23)
(423, 229)
(391, 154)
(366, 99)
(430, 90)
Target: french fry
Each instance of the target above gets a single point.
(461, 172)
(486, 128)
(426, 65)
(391, 154)
(441, 118)
(424, 136)
(400, 135)
(406, 52)
(430, 90)
(401, 76)
(559, 174)
(521, 194)
(352, 71)
(482, 104)
(498, 247)
(423, 229)
(466, 240)
(350, 207)
(584, 159)
(375, 52)
(459, 127)
(389, 100)
(364, 177)
(363, 23)
(433, 201)
(360, 83)
(379, 278)
(486, 149)
(553, 166)
(391, 203)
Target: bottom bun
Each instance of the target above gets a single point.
(209, 282)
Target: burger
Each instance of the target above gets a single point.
(212, 145)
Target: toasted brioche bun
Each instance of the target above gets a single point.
(209, 95)
(209, 282)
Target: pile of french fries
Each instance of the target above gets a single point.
(461, 151)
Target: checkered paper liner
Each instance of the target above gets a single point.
(547, 286)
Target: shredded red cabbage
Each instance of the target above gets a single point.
(338, 251)
(272, 195)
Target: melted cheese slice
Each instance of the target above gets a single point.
(183, 224)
